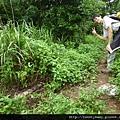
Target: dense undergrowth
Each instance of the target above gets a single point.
(29, 55)
(26, 52)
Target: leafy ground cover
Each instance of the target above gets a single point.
(29, 55)
(26, 52)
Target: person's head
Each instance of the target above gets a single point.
(97, 18)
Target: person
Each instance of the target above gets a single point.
(111, 32)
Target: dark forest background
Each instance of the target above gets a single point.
(68, 20)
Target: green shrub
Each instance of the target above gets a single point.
(29, 54)
(88, 100)
(86, 103)
(75, 65)
(57, 104)
(21, 54)
(12, 105)
(12, 41)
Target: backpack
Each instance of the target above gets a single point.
(115, 24)
(115, 16)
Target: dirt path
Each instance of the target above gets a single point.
(112, 105)
(111, 101)
(72, 92)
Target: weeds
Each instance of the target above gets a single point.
(115, 68)
(12, 106)
(86, 103)
(88, 100)
(28, 55)
(26, 51)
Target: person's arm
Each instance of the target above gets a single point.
(96, 34)
(110, 32)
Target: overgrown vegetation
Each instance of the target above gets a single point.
(64, 18)
(86, 103)
(115, 79)
(49, 41)
(29, 55)
(26, 58)
(12, 106)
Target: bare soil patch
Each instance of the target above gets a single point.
(111, 102)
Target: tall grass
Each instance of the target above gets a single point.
(29, 54)
(15, 41)
(10, 54)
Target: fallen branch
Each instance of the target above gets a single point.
(31, 90)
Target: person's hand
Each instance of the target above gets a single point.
(94, 31)
(108, 48)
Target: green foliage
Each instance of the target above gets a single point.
(91, 47)
(89, 8)
(18, 10)
(30, 54)
(74, 65)
(12, 105)
(20, 54)
(88, 100)
(67, 20)
(115, 68)
(12, 57)
(60, 105)
(111, 7)
(63, 21)
(71, 21)
(12, 40)
(86, 103)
